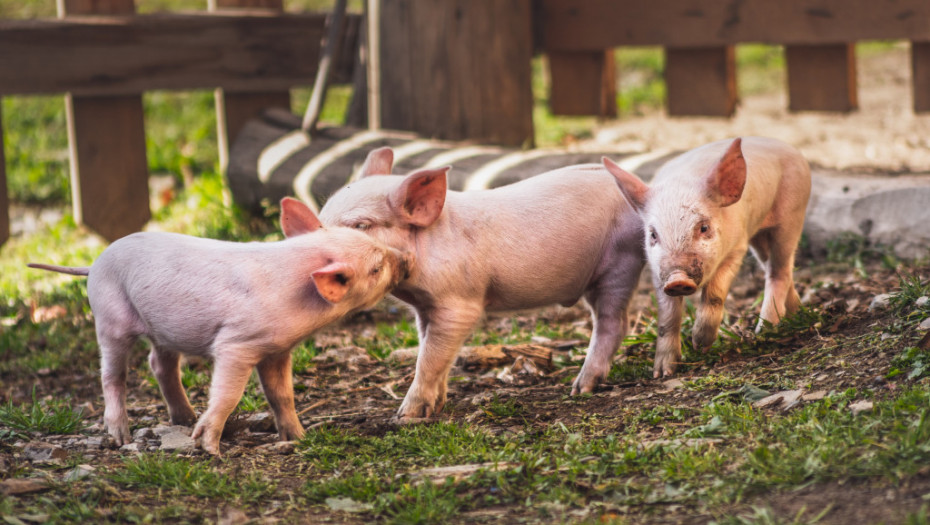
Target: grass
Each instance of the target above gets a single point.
(572, 466)
(54, 416)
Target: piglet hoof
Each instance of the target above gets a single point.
(664, 367)
(291, 434)
(585, 383)
(184, 419)
(119, 431)
(209, 439)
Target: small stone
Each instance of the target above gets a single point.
(97, 442)
(925, 324)
(783, 400)
(130, 447)
(814, 396)
(79, 472)
(281, 448)
(350, 357)
(403, 356)
(860, 406)
(541, 340)
(232, 516)
(38, 452)
(162, 430)
(22, 486)
(348, 505)
(260, 422)
(141, 434)
(177, 442)
(921, 301)
(880, 301)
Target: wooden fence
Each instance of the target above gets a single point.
(104, 56)
(449, 69)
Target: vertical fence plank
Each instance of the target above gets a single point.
(457, 69)
(234, 109)
(4, 196)
(700, 81)
(583, 83)
(822, 77)
(109, 171)
(920, 68)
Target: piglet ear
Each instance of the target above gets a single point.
(378, 162)
(632, 187)
(725, 182)
(421, 196)
(297, 218)
(332, 281)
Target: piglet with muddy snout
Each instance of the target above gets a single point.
(701, 213)
(244, 305)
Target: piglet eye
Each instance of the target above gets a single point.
(361, 226)
(376, 270)
(704, 228)
(653, 235)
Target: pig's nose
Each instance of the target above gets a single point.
(679, 284)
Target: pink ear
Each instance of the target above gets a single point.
(420, 198)
(632, 187)
(726, 180)
(332, 281)
(297, 218)
(378, 162)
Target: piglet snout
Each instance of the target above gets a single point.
(679, 283)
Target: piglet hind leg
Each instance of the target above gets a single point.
(275, 374)
(442, 333)
(114, 355)
(230, 375)
(775, 250)
(166, 366)
(710, 309)
(609, 303)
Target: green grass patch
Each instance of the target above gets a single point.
(189, 477)
(53, 416)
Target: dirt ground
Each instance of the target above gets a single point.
(884, 136)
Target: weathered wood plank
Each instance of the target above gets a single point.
(4, 195)
(234, 109)
(822, 77)
(920, 68)
(242, 51)
(109, 171)
(583, 83)
(700, 81)
(457, 69)
(601, 24)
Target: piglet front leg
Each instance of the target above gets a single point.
(230, 375)
(442, 332)
(668, 345)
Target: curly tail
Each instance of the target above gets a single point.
(79, 270)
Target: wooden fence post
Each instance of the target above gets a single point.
(457, 69)
(4, 195)
(583, 83)
(920, 71)
(234, 109)
(700, 81)
(109, 171)
(822, 77)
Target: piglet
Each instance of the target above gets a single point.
(703, 210)
(243, 305)
(551, 239)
